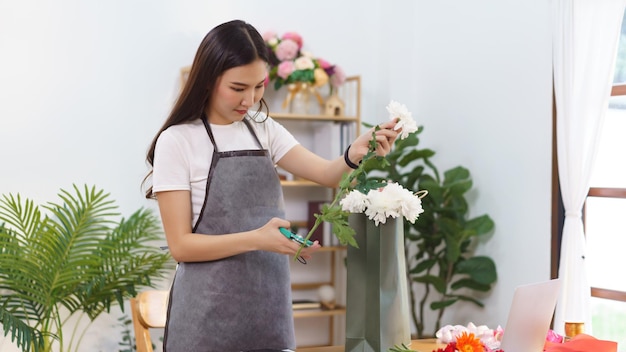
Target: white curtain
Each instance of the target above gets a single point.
(585, 38)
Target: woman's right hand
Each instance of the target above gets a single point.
(270, 238)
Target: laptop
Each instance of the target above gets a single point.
(530, 316)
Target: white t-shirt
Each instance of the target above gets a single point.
(183, 153)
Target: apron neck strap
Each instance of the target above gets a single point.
(207, 127)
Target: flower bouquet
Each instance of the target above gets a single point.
(470, 338)
(298, 69)
(377, 199)
(367, 214)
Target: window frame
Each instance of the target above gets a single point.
(607, 192)
(558, 210)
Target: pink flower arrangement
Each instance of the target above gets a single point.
(290, 64)
(483, 338)
(467, 342)
(488, 339)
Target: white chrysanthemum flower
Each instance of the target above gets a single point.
(411, 207)
(392, 200)
(408, 126)
(354, 202)
(381, 206)
(408, 204)
(406, 121)
(394, 190)
(397, 110)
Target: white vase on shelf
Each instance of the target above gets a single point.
(302, 99)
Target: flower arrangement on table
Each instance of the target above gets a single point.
(470, 338)
(298, 69)
(377, 199)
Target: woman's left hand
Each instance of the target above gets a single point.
(307, 252)
(385, 138)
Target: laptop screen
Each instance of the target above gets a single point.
(530, 315)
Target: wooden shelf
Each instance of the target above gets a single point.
(311, 313)
(332, 248)
(320, 128)
(307, 286)
(300, 117)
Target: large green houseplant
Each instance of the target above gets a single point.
(440, 245)
(77, 257)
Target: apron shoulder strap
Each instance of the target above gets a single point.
(207, 127)
(258, 142)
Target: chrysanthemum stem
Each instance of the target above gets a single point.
(342, 190)
(318, 220)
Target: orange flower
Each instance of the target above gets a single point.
(467, 342)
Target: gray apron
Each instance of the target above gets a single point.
(243, 302)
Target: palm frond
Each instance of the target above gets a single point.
(129, 262)
(22, 335)
(21, 276)
(24, 217)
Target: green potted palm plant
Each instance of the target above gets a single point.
(440, 246)
(77, 257)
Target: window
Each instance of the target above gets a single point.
(605, 215)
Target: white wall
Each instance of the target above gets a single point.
(84, 85)
(482, 72)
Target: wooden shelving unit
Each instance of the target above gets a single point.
(312, 313)
(351, 120)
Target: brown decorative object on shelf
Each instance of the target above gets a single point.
(326, 295)
(334, 106)
(328, 305)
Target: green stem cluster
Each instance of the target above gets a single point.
(356, 179)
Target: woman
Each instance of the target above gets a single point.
(221, 201)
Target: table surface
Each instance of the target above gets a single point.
(424, 345)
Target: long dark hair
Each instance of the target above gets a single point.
(231, 44)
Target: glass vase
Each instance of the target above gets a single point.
(302, 99)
